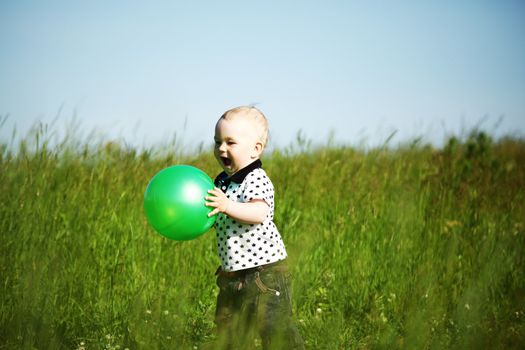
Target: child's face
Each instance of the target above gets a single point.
(236, 144)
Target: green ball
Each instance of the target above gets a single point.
(174, 202)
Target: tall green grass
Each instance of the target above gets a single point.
(406, 247)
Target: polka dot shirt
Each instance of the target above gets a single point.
(242, 246)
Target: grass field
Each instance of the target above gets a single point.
(406, 247)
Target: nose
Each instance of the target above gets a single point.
(222, 147)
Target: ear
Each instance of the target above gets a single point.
(257, 149)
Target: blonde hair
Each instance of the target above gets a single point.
(252, 114)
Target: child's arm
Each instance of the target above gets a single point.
(253, 212)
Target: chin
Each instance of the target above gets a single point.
(228, 170)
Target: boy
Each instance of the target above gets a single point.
(253, 278)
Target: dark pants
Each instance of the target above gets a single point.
(256, 300)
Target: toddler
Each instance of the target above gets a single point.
(253, 279)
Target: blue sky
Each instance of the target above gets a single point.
(144, 71)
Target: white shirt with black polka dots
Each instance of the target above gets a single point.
(242, 246)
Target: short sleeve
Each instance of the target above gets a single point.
(258, 186)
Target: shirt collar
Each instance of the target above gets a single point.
(239, 176)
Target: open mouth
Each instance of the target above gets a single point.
(226, 161)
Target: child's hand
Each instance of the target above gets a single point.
(219, 201)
